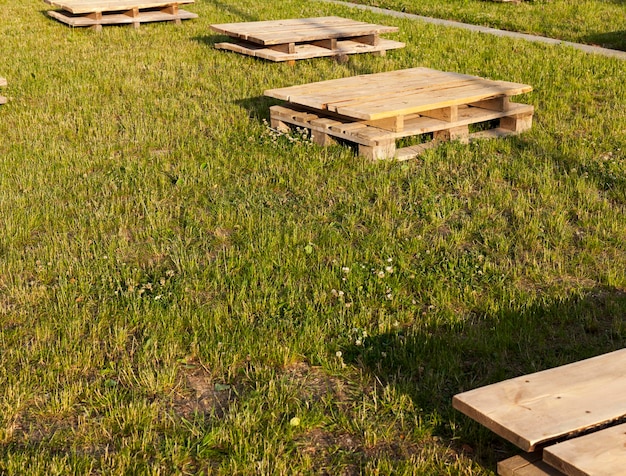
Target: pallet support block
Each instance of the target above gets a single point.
(460, 133)
(517, 124)
(448, 114)
(288, 48)
(382, 150)
(329, 44)
(319, 131)
(529, 464)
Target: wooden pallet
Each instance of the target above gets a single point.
(305, 38)
(374, 111)
(95, 13)
(3, 82)
(537, 410)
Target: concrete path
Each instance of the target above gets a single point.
(484, 29)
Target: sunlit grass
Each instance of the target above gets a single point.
(178, 282)
(593, 22)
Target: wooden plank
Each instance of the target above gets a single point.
(534, 409)
(599, 453)
(526, 465)
(94, 6)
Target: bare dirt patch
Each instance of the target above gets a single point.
(202, 395)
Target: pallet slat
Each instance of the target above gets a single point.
(541, 407)
(308, 51)
(599, 453)
(526, 465)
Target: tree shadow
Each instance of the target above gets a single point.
(436, 362)
(615, 40)
(242, 15)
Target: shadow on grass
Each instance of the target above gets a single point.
(259, 107)
(211, 40)
(240, 14)
(433, 364)
(615, 40)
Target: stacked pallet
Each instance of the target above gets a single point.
(95, 13)
(305, 38)
(3, 82)
(564, 418)
(374, 111)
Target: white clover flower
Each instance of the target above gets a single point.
(345, 269)
(381, 274)
(389, 269)
(338, 354)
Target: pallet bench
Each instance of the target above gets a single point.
(95, 13)
(565, 418)
(374, 111)
(3, 82)
(305, 38)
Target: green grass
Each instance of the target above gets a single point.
(593, 22)
(178, 283)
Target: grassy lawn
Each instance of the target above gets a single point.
(183, 291)
(593, 22)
